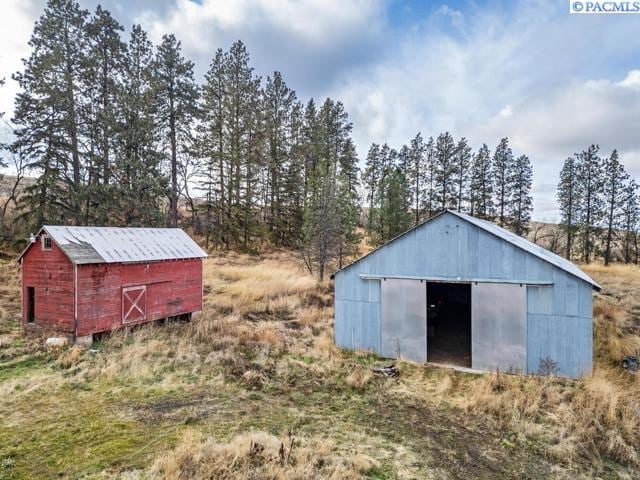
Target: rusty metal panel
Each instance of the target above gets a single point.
(499, 327)
(404, 319)
(85, 245)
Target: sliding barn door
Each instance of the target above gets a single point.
(499, 327)
(404, 319)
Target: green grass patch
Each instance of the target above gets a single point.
(22, 366)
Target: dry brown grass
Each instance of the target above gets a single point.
(242, 284)
(9, 296)
(618, 273)
(254, 312)
(359, 377)
(598, 416)
(267, 327)
(259, 455)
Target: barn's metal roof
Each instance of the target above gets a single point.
(530, 247)
(123, 245)
(510, 237)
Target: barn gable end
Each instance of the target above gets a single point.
(50, 274)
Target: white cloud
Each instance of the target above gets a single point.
(632, 79)
(524, 73)
(16, 24)
(506, 111)
(308, 40)
(574, 116)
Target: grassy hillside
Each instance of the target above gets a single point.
(254, 389)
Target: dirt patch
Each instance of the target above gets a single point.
(456, 449)
(172, 409)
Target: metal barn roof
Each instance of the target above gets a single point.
(123, 245)
(512, 238)
(530, 247)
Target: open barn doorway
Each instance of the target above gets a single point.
(449, 323)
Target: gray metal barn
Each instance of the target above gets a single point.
(462, 291)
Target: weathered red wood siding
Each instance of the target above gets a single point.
(174, 287)
(51, 274)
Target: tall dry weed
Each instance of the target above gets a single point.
(258, 455)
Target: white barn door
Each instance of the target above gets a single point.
(499, 327)
(403, 331)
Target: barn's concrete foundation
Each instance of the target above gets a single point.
(84, 341)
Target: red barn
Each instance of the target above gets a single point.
(83, 280)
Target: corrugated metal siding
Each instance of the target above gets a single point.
(558, 316)
(529, 247)
(522, 244)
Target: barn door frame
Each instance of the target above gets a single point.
(136, 311)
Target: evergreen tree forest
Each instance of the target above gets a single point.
(405, 187)
(599, 206)
(118, 131)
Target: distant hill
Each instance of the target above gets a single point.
(7, 182)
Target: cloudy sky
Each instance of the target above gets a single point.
(550, 81)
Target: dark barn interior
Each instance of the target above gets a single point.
(449, 323)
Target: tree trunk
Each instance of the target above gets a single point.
(73, 133)
(173, 201)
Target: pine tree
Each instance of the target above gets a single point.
(462, 173)
(388, 163)
(630, 222)
(293, 195)
(140, 184)
(371, 178)
(278, 102)
(416, 174)
(590, 191)
(428, 194)
(309, 143)
(102, 86)
(522, 203)
(47, 112)
(614, 192)
(176, 95)
(321, 221)
(212, 149)
(394, 217)
(348, 208)
(482, 184)
(502, 177)
(444, 171)
(568, 201)
(243, 141)
(331, 204)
